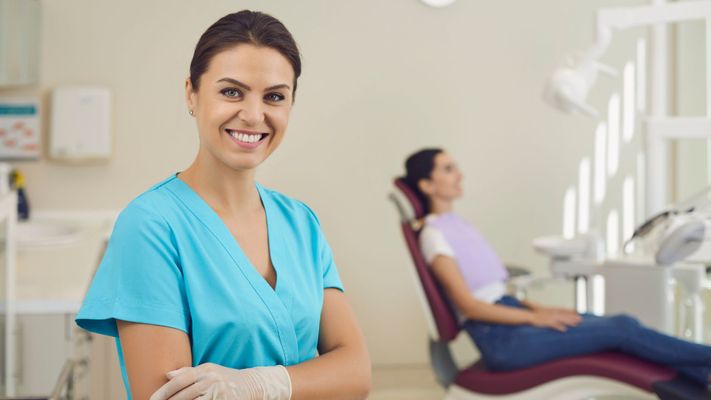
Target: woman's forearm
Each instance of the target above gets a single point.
(531, 305)
(342, 373)
(498, 314)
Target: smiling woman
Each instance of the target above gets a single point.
(215, 286)
(252, 83)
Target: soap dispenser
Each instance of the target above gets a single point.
(23, 205)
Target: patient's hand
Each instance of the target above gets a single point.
(555, 318)
(569, 311)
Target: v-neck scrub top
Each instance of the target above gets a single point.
(171, 261)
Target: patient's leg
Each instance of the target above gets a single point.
(512, 347)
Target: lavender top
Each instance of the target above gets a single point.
(450, 235)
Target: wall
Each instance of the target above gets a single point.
(381, 79)
(690, 100)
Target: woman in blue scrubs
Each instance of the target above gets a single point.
(213, 285)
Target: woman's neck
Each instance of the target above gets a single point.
(440, 206)
(229, 192)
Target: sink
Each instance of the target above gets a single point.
(57, 254)
(41, 233)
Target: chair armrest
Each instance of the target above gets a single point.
(520, 284)
(517, 270)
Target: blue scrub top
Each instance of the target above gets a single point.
(171, 261)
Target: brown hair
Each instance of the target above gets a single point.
(419, 166)
(250, 27)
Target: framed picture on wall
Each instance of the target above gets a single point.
(19, 129)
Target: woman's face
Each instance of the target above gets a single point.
(242, 105)
(445, 179)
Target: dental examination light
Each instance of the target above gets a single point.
(568, 86)
(682, 239)
(679, 232)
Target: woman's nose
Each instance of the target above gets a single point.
(252, 112)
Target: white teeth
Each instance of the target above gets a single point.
(243, 137)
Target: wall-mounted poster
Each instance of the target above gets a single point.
(19, 129)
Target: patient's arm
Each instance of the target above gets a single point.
(149, 352)
(447, 273)
(537, 307)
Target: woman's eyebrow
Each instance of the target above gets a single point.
(280, 86)
(234, 82)
(246, 87)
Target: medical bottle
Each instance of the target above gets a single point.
(23, 205)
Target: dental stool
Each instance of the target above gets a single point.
(607, 375)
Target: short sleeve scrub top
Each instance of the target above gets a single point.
(171, 261)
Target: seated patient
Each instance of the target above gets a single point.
(509, 333)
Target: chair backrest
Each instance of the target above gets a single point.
(440, 315)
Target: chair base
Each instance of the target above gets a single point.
(570, 388)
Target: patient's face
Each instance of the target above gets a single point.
(445, 180)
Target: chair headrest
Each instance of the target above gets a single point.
(418, 208)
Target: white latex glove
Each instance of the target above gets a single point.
(215, 382)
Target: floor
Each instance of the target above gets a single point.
(410, 382)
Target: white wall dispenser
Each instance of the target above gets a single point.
(80, 127)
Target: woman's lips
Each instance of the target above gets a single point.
(246, 139)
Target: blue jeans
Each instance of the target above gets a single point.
(508, 347)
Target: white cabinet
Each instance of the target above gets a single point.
(103, 379)
(44, 343)
(42, 293)
(19, 42)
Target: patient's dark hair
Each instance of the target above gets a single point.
(248, 27)
(417, 167)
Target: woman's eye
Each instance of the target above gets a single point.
(230, 92)
(274, 97)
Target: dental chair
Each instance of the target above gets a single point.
(607, 375)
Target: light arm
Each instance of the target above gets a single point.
(630, 17)
(619, 18)
(570, 83)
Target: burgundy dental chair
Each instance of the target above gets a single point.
(604, 375)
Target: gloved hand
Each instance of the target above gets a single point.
(215, 382)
